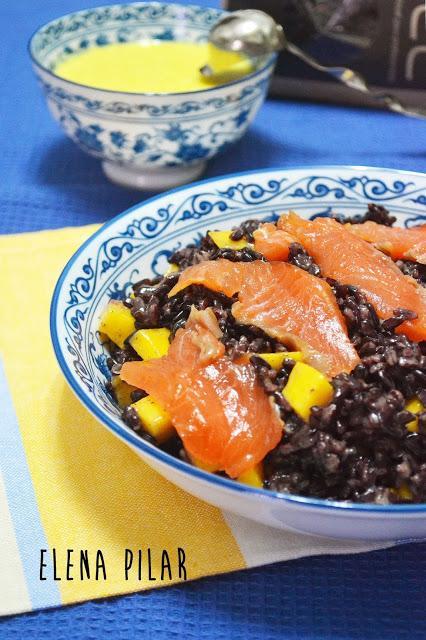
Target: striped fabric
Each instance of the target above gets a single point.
(68, 483)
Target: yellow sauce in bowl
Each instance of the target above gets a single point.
(152, 67)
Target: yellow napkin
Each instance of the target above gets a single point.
(67, 483)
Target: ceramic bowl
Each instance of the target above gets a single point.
(147, 141)
(137, 243)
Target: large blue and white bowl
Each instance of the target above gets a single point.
(147, 141)
(137, 243)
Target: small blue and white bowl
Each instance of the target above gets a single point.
(146, 141)
(136, 244)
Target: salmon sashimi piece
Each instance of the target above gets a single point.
(397, 242)
(271, 242)
(198, 345)
(218, 407)
(288, 303)
(220, 275)
(344, 256)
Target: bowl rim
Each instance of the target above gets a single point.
(166, 458)
(270, 61)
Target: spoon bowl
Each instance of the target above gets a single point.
(256, 34)
(249, 31)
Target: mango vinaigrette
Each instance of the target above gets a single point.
(152, 67)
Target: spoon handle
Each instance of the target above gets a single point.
(354, 80)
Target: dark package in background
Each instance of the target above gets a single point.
(385, 40)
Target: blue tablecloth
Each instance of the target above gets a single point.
(46, 182)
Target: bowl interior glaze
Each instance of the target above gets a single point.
(136, 22)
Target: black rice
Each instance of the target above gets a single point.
(375, 213)
(301, 258)
(357, 447)
(118, 356)
(194, 253)
(246, 230)
(413, 269)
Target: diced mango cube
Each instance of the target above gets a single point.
(276, 360)
(151, 343)
(117, 322)
(253, 477)
(155, 420)
(172, 268)
(205, 466)
(404, 493)
(306, 387)
(222, 239)
(414, 406)
(122, 391)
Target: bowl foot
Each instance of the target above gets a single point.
(152, 179)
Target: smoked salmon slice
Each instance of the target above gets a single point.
(344, 256)
(218, 407)
(397, 242)
(271, 242)
(288, 303)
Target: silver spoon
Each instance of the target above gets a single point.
(256, 34)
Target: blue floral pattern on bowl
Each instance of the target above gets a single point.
(144, 131)
(141, 240)
(137, 244)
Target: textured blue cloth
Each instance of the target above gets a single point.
(46, 182)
